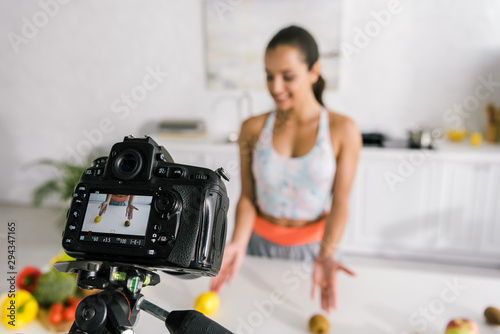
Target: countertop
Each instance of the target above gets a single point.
(273, 296)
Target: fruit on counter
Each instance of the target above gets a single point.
(462, 326)
(127, 223)
(28, 278)
(456, 135)
(60, 312)
(207, 303)
(54, 287)
(56, 313)
(18, 309)
(60, 316)
(476, 139)
(318, 324)
(69, 312)
(97, 219)
(492, 315)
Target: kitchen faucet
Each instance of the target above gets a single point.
(244, 107)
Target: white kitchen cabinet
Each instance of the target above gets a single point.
(488, 211)
(441, 205)
(385, 219)
(446, 208)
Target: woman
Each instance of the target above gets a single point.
(297, 167)
(119, 200)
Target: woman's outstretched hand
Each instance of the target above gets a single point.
(103, 207)
(231, 263)
(129, 212)
(325, 277)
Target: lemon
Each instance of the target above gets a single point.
(127, 223)
(207, 303)
(62, 256)
(97, 219)
(476, 139)
(456, 135)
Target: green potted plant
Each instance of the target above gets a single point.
(63, 185)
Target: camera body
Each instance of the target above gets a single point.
(138, 207)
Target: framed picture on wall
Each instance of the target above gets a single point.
(237, 32)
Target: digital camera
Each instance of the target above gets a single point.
(138, 207)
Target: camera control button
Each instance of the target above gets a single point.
(81, 188)
(99, 171)
(72, 227)
(163, 239)
(161, 171)
(165, 203)
(89, 172)
(156, 227)
(175, 172)
(78, 201)
(161, 157)
(68, 241)
(75, 213)
(151, 252)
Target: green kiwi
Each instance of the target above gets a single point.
(318, 324)
(492, 315)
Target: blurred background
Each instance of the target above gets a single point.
(421, 78)
(65, 67)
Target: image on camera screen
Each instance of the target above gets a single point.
(115, 214)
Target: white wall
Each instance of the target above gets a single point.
(64, 79)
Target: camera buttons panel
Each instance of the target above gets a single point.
(91, 172)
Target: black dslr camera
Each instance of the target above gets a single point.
(138, 207)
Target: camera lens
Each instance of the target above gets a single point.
(127, 164)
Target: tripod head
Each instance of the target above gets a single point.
(116, 308)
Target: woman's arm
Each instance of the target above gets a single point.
(347, 162)
(325, 266)
(104, 205)
(245, 211)
(129, 211)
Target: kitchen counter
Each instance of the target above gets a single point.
(462, 151)
(444, 150)
(272, 296)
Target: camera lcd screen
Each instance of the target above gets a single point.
(116, 219)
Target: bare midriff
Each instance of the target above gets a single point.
(285, 222)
